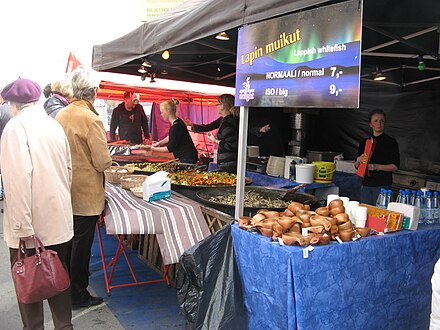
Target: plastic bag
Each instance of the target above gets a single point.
(208, 284)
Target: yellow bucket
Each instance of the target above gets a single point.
(324, 172)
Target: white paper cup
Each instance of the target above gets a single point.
(353, 204)
(345, 200)
(331, 197)
(351, 210)
(361, 216)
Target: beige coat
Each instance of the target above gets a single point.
(36, 168)
(90, 156)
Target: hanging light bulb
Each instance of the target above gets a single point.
(222, 36)
(166, 54)
(378, 75)
(422, 65)
(142, 70)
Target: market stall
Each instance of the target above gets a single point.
(335, 286)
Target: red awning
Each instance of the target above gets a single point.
(115, 91)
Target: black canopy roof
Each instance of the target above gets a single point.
(396, 35)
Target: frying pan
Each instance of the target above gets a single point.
(204, 195)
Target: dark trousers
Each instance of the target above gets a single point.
(60, 305)
(84, 231)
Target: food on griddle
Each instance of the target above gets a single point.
(201, 178)
(252, 199)
(146, 167)
(156, 167)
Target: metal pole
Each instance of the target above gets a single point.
(241, 160)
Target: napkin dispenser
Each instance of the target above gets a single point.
(411, 214)
(157, 186)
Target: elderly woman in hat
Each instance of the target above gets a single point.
(36, 167)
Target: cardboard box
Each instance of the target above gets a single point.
(383, 220)
(411, 214)
(346, 166)
(368, 151)
(157, 186)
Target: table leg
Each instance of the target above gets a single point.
(112, 263)
(101, 250)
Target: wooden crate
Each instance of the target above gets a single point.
(150, 253)
(215, 218)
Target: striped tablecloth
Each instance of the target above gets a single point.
(177, 222)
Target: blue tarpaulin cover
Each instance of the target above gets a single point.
(378, 282)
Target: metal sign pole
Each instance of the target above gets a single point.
(241, 168)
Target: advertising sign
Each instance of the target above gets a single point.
(155, 8)
(307, 59)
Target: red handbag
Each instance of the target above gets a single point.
(40, 276)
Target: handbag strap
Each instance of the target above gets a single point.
(21, 251)
(39, 247)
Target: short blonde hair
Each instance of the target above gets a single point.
(62, 87)
(55, 86)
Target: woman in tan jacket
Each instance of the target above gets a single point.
(90, 158)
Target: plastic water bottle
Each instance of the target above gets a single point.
(380, 202)
(418, 202)
(399, 196)
(405, 197)
(429, 210)
(412, 197)
(388, 194)
(435, 207)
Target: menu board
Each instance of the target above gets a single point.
(307, 59)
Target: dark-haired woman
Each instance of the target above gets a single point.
(227, 135)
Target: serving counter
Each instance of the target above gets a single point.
(166, 228)
(143, 156)
(378, 282)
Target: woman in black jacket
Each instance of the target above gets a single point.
(61, 93)
(227, 135)
(178, 141)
